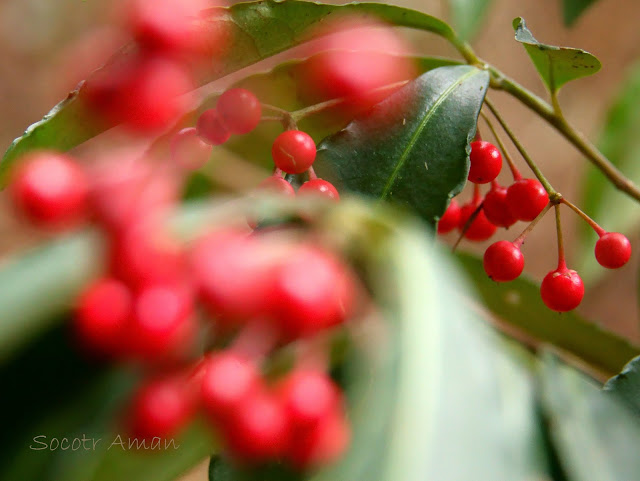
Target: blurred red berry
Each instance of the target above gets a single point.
(319, 188)
(188, 150)
(450, 219)
(239, 110)
(211, 129)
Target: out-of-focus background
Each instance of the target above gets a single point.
(38, 38)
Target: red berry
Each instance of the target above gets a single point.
(211, 129)
(450, 219)
(50, 189)
(140, 92)
(277, 185)
(321, 445)
(101, 315)
(480, 229)
(228, 380)
(161, 325)
(293, 151)
(486, 162)
(311, 291)
(239, 110)
(503, 261)
(496, 208)
(160, 408)
(232, 273)
(167, 24)
(526, 198)
(319, 187)
(258, 430)
(309, 396)
(562, 290)
(613, 250)
(144, 254)
(188, 151)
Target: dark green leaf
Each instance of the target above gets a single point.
(220, 469)
(572, 9)
(37, 288)
(518, 303)
(595, 436)
(412, 148)
(467, 15)
(556, 65)
(620, 143)
(258, 29)
(626, 386)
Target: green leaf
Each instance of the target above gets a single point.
(626, 386)
(258, 29)
(37, 287)
(595, 436)
(467, 16)
(620, 143)
(556, 65)
(220, 469)
(572, 9)
(412, 148)
(518, 303)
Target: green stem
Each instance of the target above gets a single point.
(562, 264)
(532, 165)
(518, 241)
(594, 225)
(512, 166)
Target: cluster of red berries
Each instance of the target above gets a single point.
(501, 206)
(562, 289)
(169, 41)
(145, 307)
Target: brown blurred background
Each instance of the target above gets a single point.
(37, 38)
(37, 35)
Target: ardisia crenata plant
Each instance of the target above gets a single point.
(256, 277)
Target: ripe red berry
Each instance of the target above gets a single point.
(50, 189)
(167, 25)
(160, 408)
(140, 92)
(496, 208)
(211, 129)
(311, 290)
(450, 219)
(503, 261)
(309, 396)
(293, 151)
(228, 380)
(319, 187)
(526, 198)
(323, 444)
(258, 430)
(161, 325)
(486, 162)
(239, 110)
(232, 274)
(102, 312)
(562, 290)
(613, 250)
(480, 228)
(188, 151)
(277, 185)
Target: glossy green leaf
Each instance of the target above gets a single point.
(572, 9)
(518, 303)
(620, 143)
(467, 16)
(626, 386)
(37, 287)
(258, 29)
(556, 65)
(595, 436)
(412, 148)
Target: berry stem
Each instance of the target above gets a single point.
(594, 225)
(472, 217)
(562, 264)
(532, 165)
(518, 241)
(512, 166)
(312, 174)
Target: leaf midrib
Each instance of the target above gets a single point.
(414, 138)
